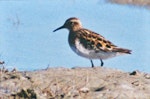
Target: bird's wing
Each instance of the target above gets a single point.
(95, 41)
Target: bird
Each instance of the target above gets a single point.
(89, 44)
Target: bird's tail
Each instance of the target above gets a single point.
(122, 50)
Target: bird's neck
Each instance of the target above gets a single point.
(71, 38)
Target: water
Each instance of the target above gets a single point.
(28, 43)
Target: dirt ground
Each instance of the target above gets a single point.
(74, 83)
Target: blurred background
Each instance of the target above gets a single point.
(28, 43)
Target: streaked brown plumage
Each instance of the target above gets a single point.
(89, 44)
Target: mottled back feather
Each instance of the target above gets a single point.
(94, 41)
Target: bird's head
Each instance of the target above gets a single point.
(72, 24)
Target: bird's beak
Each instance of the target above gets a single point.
(59, 28)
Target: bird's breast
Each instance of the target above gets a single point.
(79, 49)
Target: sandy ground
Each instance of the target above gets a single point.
(145, 3)
(75, 83)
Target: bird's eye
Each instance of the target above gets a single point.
(71, 23)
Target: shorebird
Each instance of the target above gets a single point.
(89, 44)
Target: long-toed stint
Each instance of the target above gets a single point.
(89, 44)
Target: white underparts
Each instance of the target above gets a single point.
(91, 54)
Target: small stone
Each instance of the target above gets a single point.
(84, 90)
(147, 76)
(136, 83)
(133, 73)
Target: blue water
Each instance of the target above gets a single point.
(28, 43)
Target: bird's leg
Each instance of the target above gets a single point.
(92, 63)
(102, 63)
